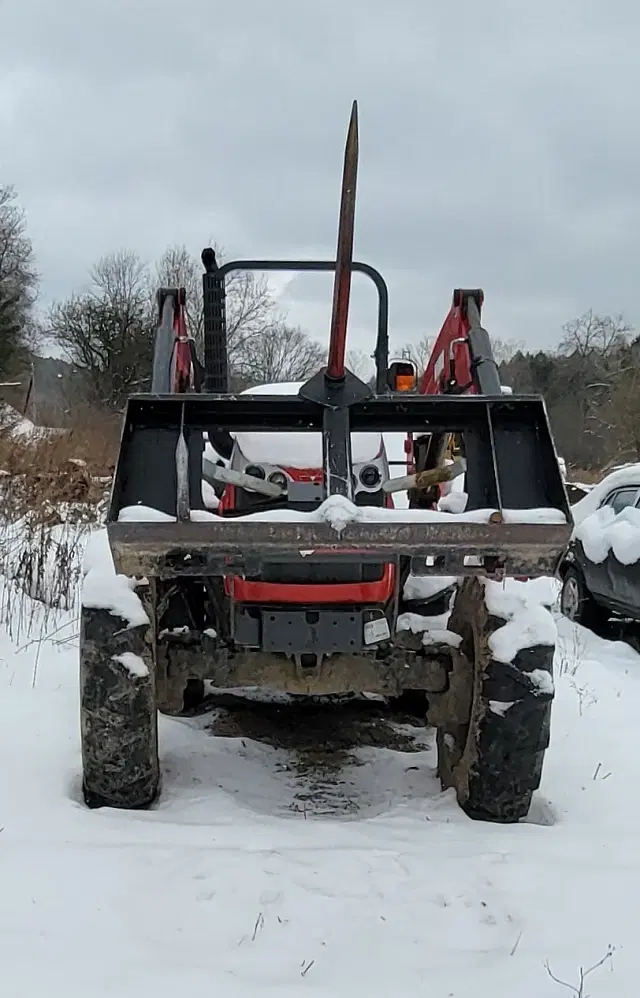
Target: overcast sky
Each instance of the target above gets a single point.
(499, 146)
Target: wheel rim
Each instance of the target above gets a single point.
(570, 598)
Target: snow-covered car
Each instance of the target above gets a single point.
(600, 571)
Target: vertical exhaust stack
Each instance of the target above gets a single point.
(216, 362)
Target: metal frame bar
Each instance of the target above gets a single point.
(208, 547)
(214, 309)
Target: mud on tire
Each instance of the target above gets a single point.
(119, 727)
(494, 760)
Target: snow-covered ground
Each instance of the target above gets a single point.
(231, 887)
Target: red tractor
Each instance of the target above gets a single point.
(300, 578)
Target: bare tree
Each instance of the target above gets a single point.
(178, 268)
(593, 335)
(617, 413)
(505, 350)
(360, 364)
(109, 332)
(281, 353)
(419, 352)
(250, 308)
(599, 377)
(18, 284)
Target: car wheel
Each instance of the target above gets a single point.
(577, 603)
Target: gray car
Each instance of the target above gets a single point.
(593, 591)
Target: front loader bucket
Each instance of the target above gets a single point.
(517, 519)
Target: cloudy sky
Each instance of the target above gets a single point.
(499, 146)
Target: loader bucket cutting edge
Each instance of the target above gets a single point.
(511, 465)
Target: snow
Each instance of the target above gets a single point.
(500, 707)
(605, 531)
(229, 887)
(339, 511)
(600, 529)
(528, 622)
(301, 449)
(147, 514)
(135, 666)
(453, 502)
(103, 589)
(425, 587)
(19, 426)
(209, 496)
(542, 681)
(297, 449)
(628, 475)
(434, 629)
(283, 388)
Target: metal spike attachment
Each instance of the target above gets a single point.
(344, 254)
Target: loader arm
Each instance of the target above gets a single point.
(461, 363)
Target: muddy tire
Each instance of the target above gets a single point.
(493, 759)
(119, 726)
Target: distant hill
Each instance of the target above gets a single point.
(44, 391)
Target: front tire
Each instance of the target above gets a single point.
(119, 725)
(493, 757)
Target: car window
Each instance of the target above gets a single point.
(622, 498)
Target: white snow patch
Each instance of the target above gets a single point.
(528, 621)
(500, 707)
(239, 882)
(147, 514)
(453, 502)
(605, 530)
(434, 629)
(298, 449)
(103, 589)
(135, 665)
(628, 475)
(17, 425)
(543, 681)
(301, 449)
(425, 587)
(340, 510)
(209, 496)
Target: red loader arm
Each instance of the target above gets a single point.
(462, 361)
(449, 367)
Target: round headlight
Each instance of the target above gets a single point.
(278, 478)
(254, 470)
(370, 476)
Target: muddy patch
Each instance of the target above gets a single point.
(319, 739)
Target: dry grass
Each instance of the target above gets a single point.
(589, 476)
(40, 472)
(52, 492)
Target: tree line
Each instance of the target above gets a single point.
(589, 381)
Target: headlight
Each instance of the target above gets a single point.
(279, 478)
(370, 476)
(254, 470)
